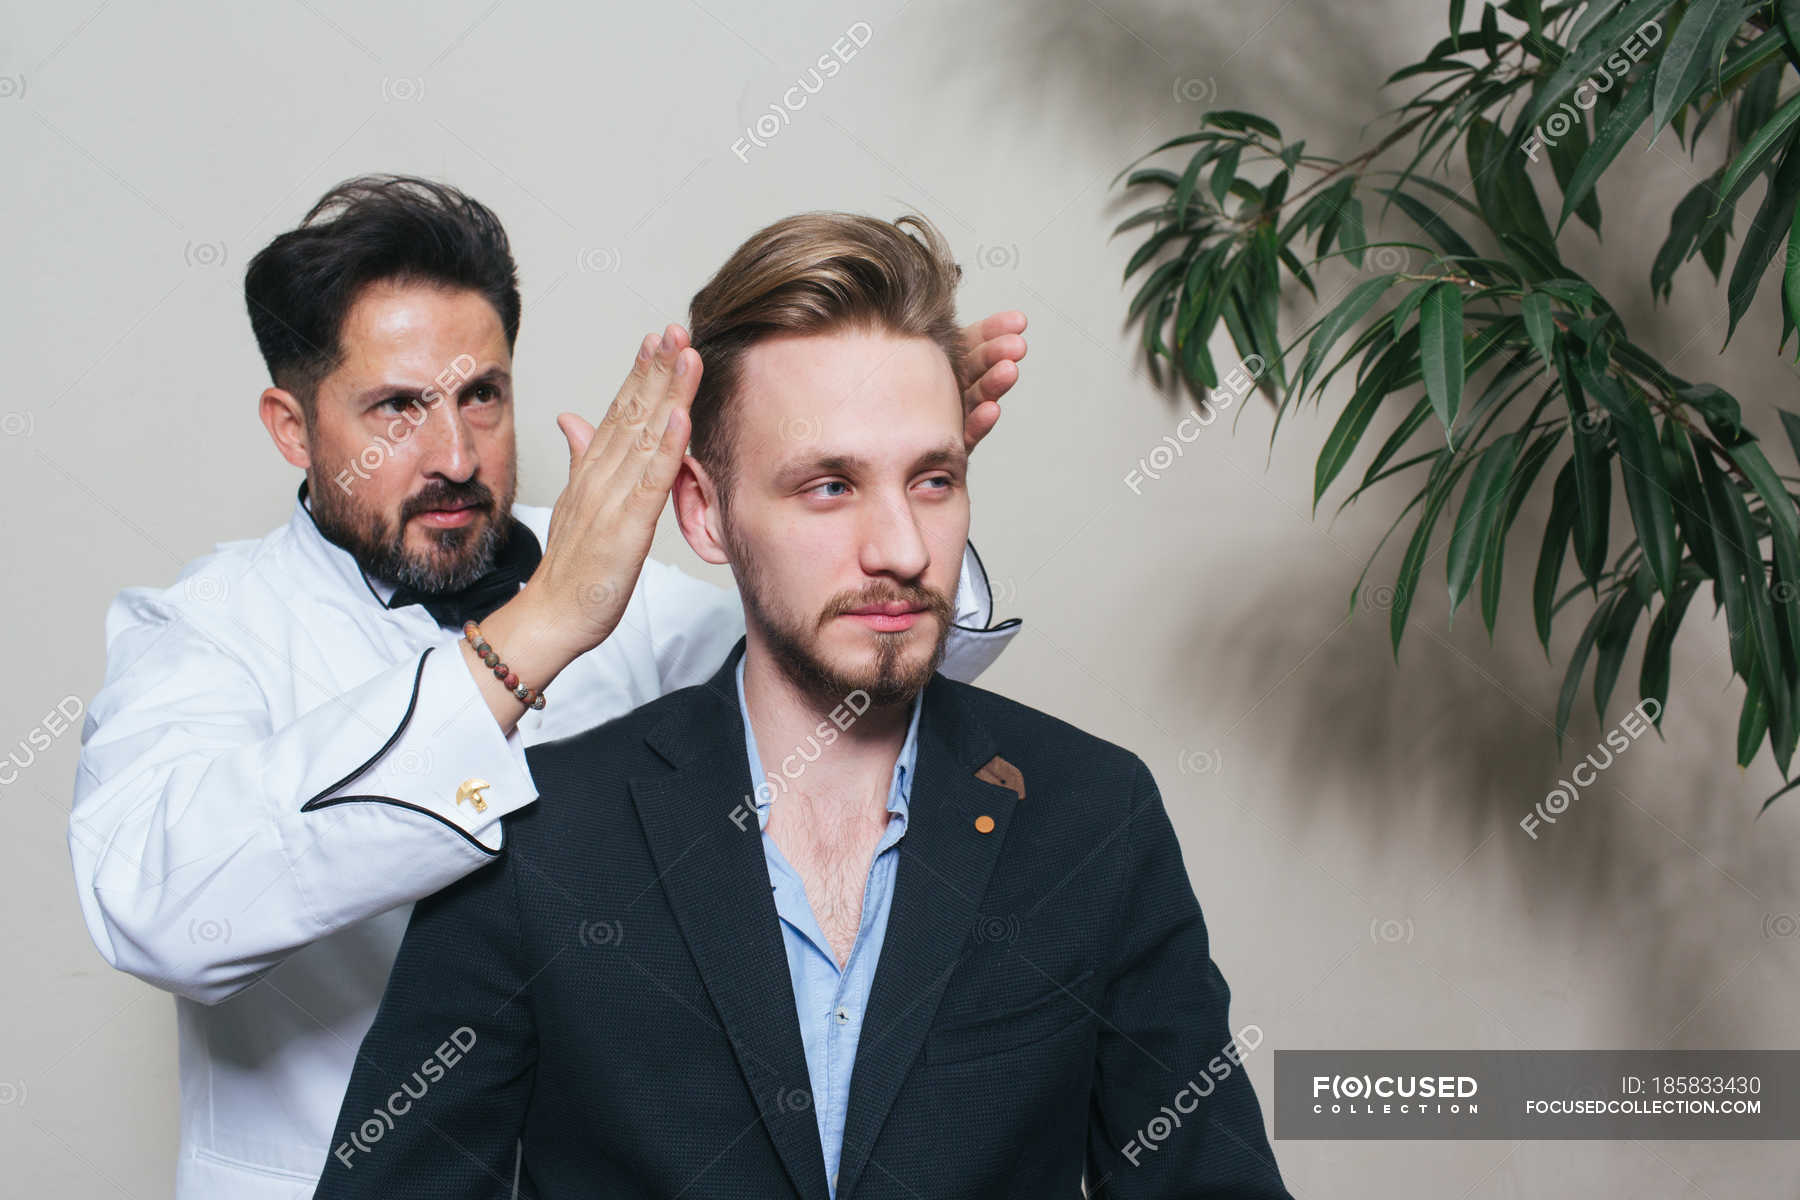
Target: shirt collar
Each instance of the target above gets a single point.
(899, 787)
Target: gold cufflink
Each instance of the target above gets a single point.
(471, 790)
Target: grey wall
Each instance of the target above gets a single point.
(1351, 824)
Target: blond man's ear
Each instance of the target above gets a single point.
(696, 500)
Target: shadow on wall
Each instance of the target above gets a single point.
(1454, 745)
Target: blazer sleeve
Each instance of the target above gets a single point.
(438, 1096)
(1173, 1115)
(209, 844)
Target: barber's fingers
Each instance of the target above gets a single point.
(662, 466)
(642, 402)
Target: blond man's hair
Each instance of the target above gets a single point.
(815, 272)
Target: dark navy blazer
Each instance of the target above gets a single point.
(612, 991)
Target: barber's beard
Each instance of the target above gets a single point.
(898, 671)
(379, 545)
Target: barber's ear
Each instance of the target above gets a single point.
(285, 420)
(697, 511)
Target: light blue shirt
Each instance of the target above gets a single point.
(830, 1002)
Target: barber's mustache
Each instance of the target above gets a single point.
(473, 494)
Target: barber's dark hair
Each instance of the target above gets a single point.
(372, 228)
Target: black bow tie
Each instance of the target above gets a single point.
(517, 559)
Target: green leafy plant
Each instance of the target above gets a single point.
(1514, 361)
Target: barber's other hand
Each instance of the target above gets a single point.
(990, 368)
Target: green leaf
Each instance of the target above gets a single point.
(1556, 542)
(1753, 722)
(1443, 477)
(1653, 676)
(1694, 49)
(1787, 15)
(1776, 501)
(1335, 323)
(1591, 16)
(1691, 516)
(1752, 160)
(1721, 411)
(1230, 118)
(1684, 228)
(1539, 324)
(1612, 136)
(1504, 192)
(1224, 173)
(1147, 251)
(1741, 556)
(1355, 420)
(1480, 508)
(1184, 191)
(1441, 352)
(1565, 157)
(1565, 702)
(1790, 423)
(1351, 237)
(1434, 226)
(1774, 219)
(1589, 47)
(1493, 559)
(1647, 490)
(1409, 303)
(1159, 175)
(1154, 286)
(1576, 293)
(1593, 485)
(1614, 640)
(1790, 275)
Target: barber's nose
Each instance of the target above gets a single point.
(447, 446)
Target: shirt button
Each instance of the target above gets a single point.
(843, 1016)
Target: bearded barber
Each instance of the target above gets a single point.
(302, 735)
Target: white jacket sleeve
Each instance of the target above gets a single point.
(693, 624)
(208, 846)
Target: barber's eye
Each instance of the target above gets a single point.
(485, 392)
(832, 483)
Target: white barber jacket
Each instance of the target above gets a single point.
(268, 781)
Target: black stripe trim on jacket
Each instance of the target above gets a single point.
(988, 588)
(319, 801)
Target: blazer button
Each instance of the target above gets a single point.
(471, 791)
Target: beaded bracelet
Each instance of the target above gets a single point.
(530, 697)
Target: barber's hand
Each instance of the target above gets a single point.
(990, 368)
(619, 477)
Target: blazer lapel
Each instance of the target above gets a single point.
(701, 825)
(942, 876)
